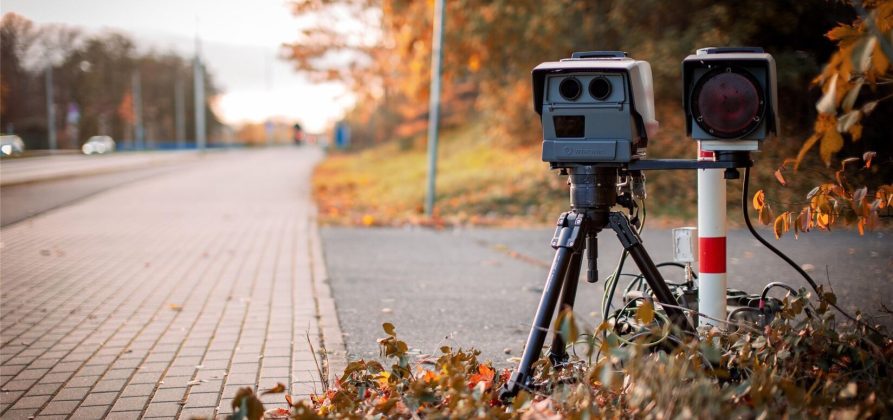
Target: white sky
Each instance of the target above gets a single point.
(240, 43)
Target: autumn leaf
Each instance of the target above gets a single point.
(766, 215)
(759, 200)
(485, 374)
(246, 405)
(780, 177)
(278, 389)
(389, 329)
(645, 312)
(781, 225)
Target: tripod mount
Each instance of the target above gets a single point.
(593, 194)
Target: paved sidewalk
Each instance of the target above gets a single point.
(163, 297)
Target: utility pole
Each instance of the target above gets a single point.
(434, 104)
(199, 92)
(136, 86)
(51, 109)
(179, 111)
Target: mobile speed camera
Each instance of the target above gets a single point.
(595, 107)
(730, 98)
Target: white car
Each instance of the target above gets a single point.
(98, 145)
(11, 145)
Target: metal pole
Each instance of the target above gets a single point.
(179, 111)
(51, 110)
(712, 276)
(137, 110)
(199, 91)
(434, 105)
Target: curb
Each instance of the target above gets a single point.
(331, 337)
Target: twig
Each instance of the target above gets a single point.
(322, 377)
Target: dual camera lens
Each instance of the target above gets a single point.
(571, 88)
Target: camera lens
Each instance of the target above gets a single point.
(570, 88)
(600, 88)
(728, 103)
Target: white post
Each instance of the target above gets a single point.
(711, 243)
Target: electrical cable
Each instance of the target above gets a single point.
(777, 284)
(812, 283)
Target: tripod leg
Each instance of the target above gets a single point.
(557, 352)
(566, 244)
(632, 243)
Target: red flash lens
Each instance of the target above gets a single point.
(727, 103)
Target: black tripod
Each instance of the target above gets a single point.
(593, 192)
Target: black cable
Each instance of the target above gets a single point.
(812, 283)
(777, 284)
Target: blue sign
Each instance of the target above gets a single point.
(342, 135)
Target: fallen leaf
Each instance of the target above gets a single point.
(278, 389)
(645, 312)
(175, 307)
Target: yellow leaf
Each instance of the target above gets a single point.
(780, 226)
(368, 220)
(831, 143)
(823, 220)
(759, 200)
(645, 312)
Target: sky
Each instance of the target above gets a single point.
(240, 43)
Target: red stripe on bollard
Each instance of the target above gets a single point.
(712, 255)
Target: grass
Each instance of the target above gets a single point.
(478, 182)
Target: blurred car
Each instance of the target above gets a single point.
(98, 145)
(11, 145)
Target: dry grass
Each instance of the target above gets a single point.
(478, 182)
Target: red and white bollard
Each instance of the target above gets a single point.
(711, 243)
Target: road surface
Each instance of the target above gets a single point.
(480, 287)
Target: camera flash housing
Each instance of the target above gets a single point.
(595, 107)
(730, 97)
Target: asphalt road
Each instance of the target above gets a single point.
(21, 201)
(480, 287)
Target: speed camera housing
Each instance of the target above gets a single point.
(730, 98)
(595, 107)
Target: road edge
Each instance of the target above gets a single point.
(331, 336)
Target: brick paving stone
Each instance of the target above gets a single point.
(200, 276)
(131, 403)
(44, 389)
(162, 409)
(72, 394)
(93, 412)
(204, 412)
(202, 400)
(31, 401)
(60, 407)
(169, 394)
(27, 413)
(99, 398)
(123, 415)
